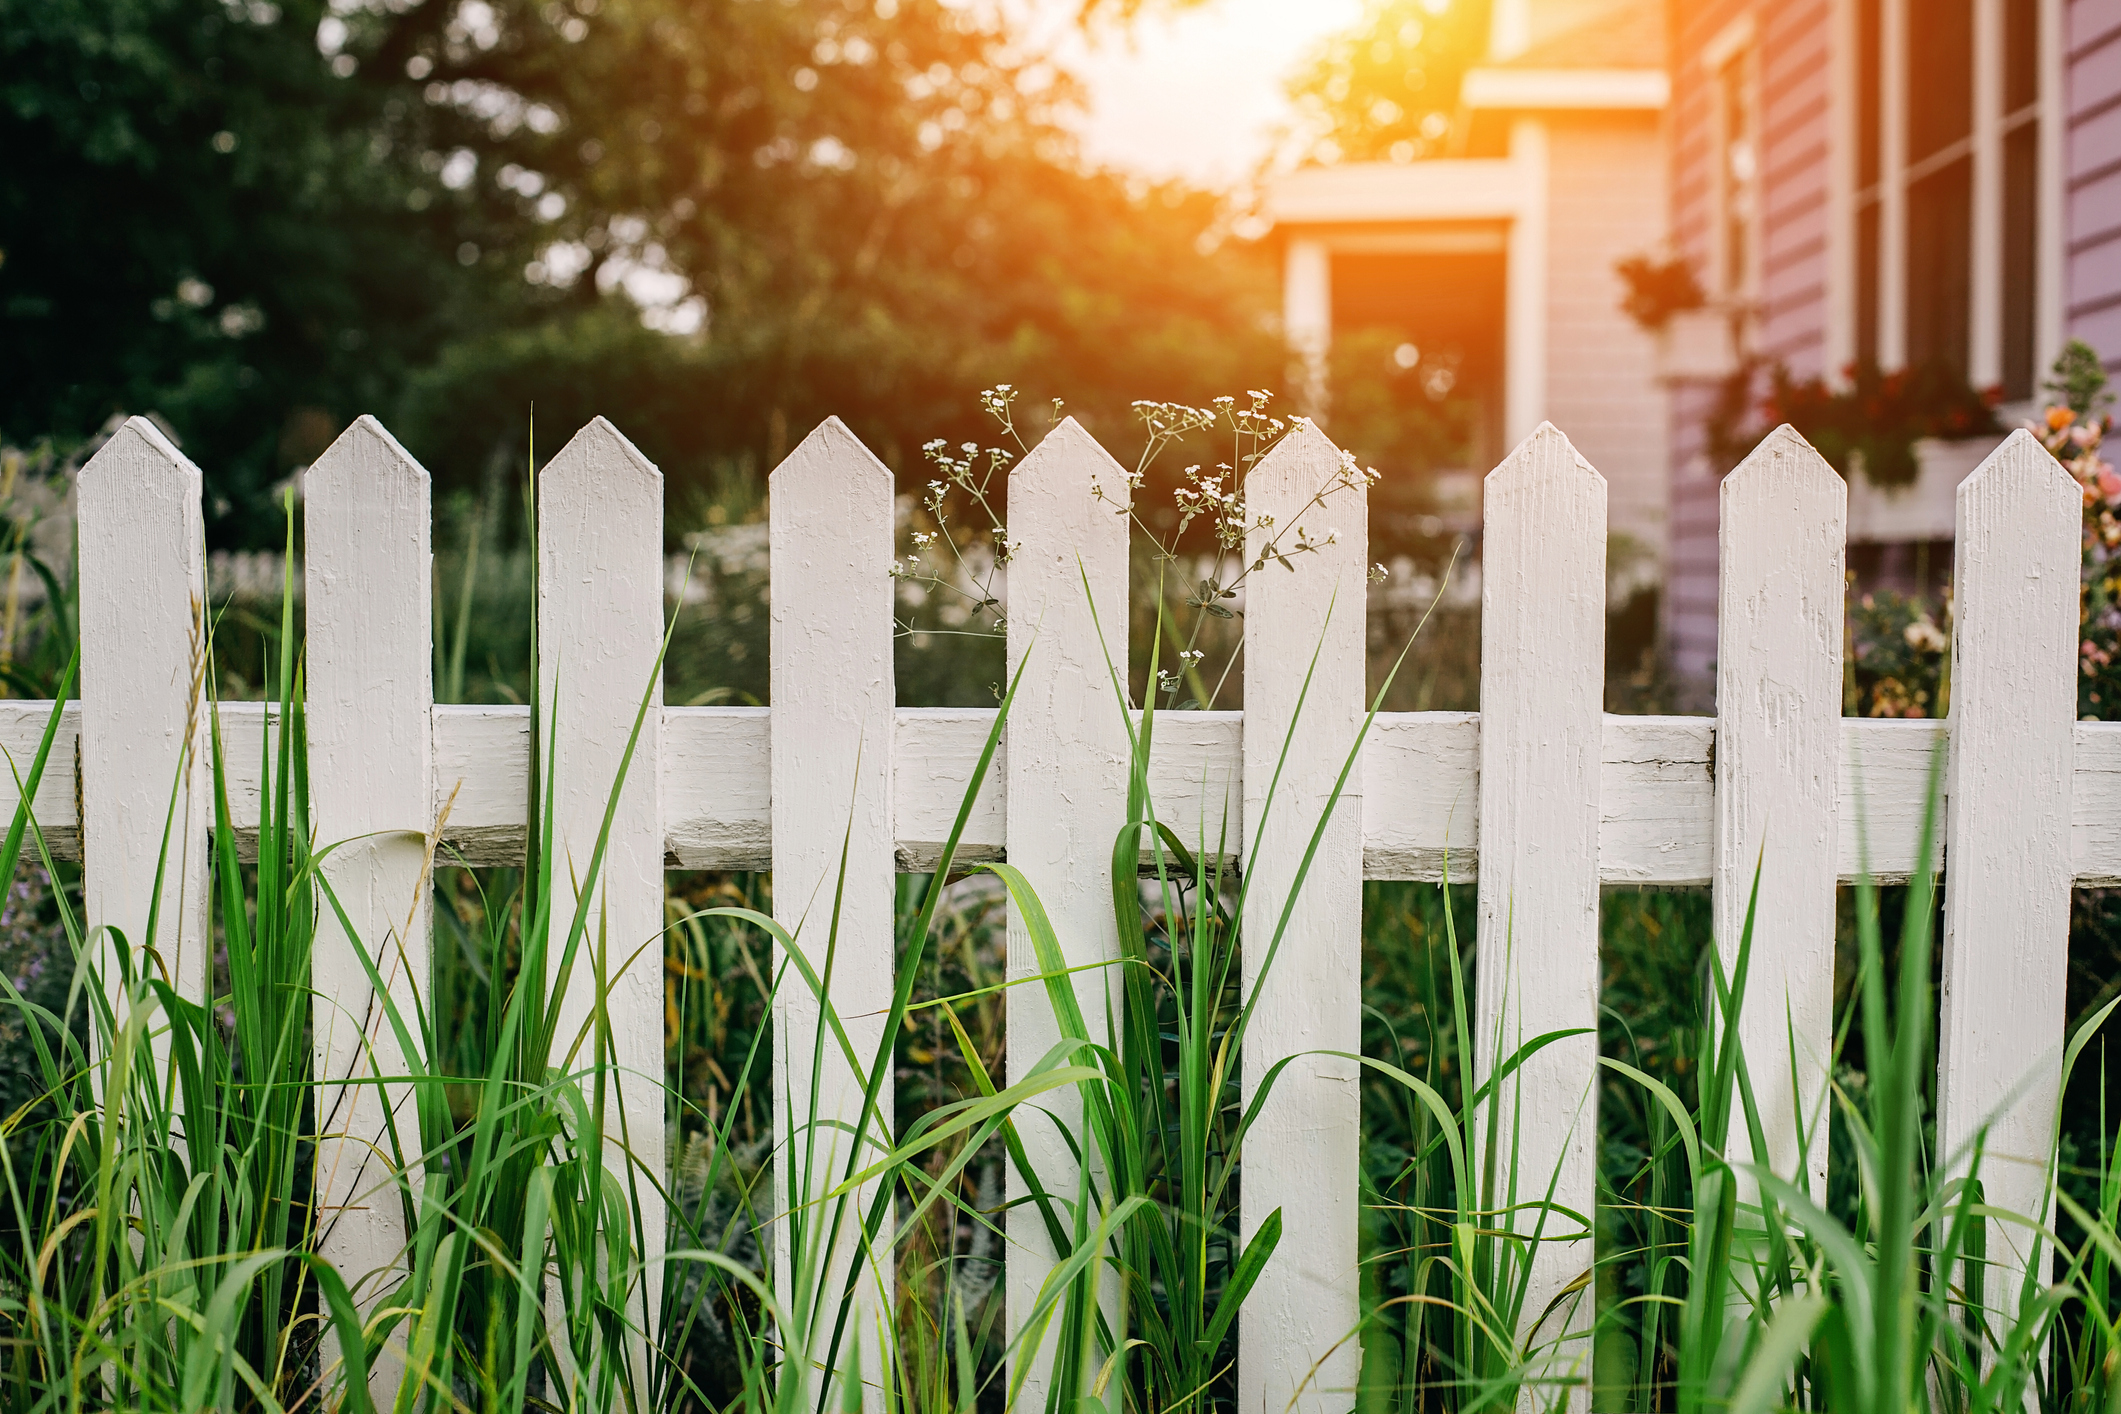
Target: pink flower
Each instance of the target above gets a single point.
(2109, 483)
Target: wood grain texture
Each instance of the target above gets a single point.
(2007, 886)
(370, 719)
(832, 690)
(1656, 793)
(1542, 677)
(1067, 779)
(600, 631)
(1302, 1156)
(1778, 768)
(143, 737)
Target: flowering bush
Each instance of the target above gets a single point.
(1876, 418)
(2075, 429)
(1899, 652)
(1900, 655)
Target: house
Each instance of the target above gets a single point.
(1504, 255)
(1897, 182)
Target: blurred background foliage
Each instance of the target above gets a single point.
(715, 222)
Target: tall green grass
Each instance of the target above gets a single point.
(158, 1243)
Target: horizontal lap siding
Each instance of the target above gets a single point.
(2092, 164)
(1690, 616)
(1691, 121)
(1607, 202)
(1795, 109)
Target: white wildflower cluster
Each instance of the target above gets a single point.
(1210, 495)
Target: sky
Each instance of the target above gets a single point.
(1195, 95)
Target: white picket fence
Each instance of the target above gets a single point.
(1540, 796)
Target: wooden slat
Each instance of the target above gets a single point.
(1302, 1157)
(1778, 733)
(2006, 902)
(1656, 798)
(1542, 677)
(1068, 779)
(831, 681)
(600, 629)
(368, 655)
(143, 589)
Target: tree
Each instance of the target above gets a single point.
(1386, 90)
(443, 210)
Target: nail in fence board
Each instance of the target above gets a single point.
(832, 691)
(143, 589)
(1542, 678)
(2007, 886)
(1067, 778)
(1778, 765)
(1302, 1155)
(600, 629)
(369, 716)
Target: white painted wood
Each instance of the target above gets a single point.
(1302, 1156)
(1067, 778)
(2007, 884)
(1421, 797)
(600, 630)
(832, 690)
(143, 725)
(934, 751)
(1542, 675)
(1778, 770)
(370, 719)
(1656, 798)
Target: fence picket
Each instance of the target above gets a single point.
(1542, 676)
(833, 693)
(369, 670)
(600, 630)
(1302, 1155)
(1067, 794)
(1778, 764)
(143, 593)
(2007, 893)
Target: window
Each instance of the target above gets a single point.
(1920, 220)
(1733, 61)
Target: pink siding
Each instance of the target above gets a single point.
(2092, 159)
(1795, 105)
(1606, 202)
(1795, 114)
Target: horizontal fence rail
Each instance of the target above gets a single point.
(1541, 801)
(1421, 778)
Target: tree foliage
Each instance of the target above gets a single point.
(1386, 89)
(715, 221)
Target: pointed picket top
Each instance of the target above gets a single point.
(140, 457)
(1784, 533)
(830, 453)
(1785, 459)
(1069, 451)
(602, 456)
(2022, 465)
(1542, 456)
(1302, 461)
(367, 451)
